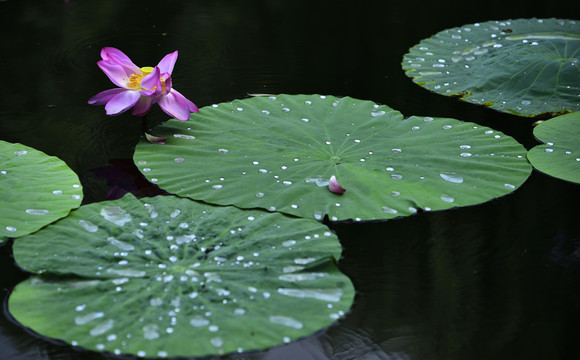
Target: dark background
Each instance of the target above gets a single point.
(500, 280)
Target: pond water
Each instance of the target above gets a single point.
(494, 281)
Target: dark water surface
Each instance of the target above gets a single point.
(500, 280)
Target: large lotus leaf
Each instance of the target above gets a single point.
(36, 189)
(167, 276)
(560, 155)
(526, 67)
(279, 152)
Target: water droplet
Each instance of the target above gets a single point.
(239, 312)
(308, 102)
(415, 128)
(304, 261)
(327, 295)
(88, 226)
(396, 176)
(217, 187)
(223, 151)
(376, 113)
(127, 272)
(549, 150)
(318, 180)
(286, 182)
(447, 198)
(447, 127)
(286, 321)
(396, 151)
(289, 243)
(465, 147)
(451, 177)
(260, 195)
(509, 186)
(318, 215)
(305, 120)
(151, 332)
(156, 302)
(285, 109)
(37, 211)
(526, 102)
(465, 154)
(83, 319)
(240, 109)
(20, 153)
(182, 136)
(102, 327)
(116, 215)
(389, 210)
(217, 342)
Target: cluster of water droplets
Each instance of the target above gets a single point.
(568, 153)
(73, 192)
(186, 267)
(448, 74)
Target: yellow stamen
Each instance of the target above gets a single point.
(134, 81)
(147, 70)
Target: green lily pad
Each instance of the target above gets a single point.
(36, 189)
(279, 152)
(167, 276)
(560, 155)
(527, 67)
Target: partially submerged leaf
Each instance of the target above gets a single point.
(36, 189)
(560, 155)
(279, 153)
(168, 277)
(528, 67)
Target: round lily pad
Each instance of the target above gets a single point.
(528, 67)
(279, 153)
(170, 277)
(560, 155)
(36, 189)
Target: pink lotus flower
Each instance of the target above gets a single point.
(140, 88)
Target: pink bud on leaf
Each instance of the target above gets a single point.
(334, 186)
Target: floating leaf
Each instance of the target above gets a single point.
(279, 152)
(560, 155)
(36, 189)
(525, 67)
(166, 276)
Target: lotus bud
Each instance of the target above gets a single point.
(334, 186)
